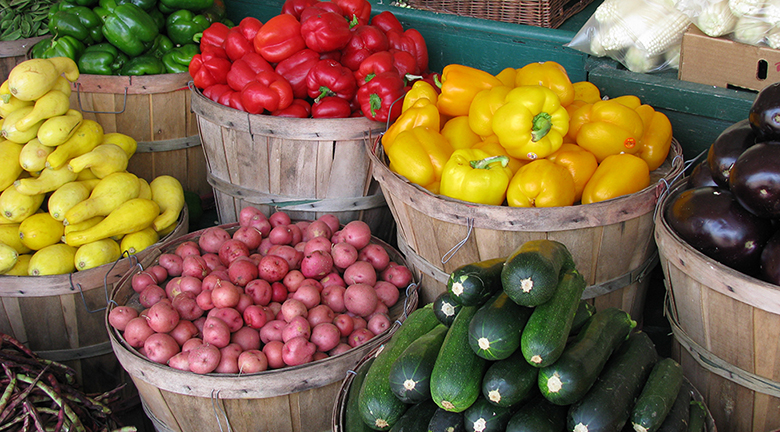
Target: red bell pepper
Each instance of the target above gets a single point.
(214, 92)
(240, 39)
(387, 21)
(209, 67)
(373, 65)
(295, 7)
(355, 9)
(381, 99)
(214, 35)
(269, 92)
(319, 7)
(405, 63)
(295, 69)
(325, 31)
(330, 78)
(235, 101)
(245, 70)
(299, 108)
(412, 42)
(279, 38)
(331, 107)
(365, 41)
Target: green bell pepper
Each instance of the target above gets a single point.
(191, 5)
(183, 25)
(77, 21)
(143, 65)
(102, 59)
(88, 3)
(130, 29)
(146, 5)
(178, 59)
(161, 45)
(158, 17)
(65, 46)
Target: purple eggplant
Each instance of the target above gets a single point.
(755, 179)
(727, 147)
(701, 175)
(770, 260)
(764, 114)
(711, 220)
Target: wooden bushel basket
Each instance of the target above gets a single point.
(305, 167)
(726, 329)
(154, 110)
(291, 399)
(611, 241)
(60, 317)
(14, 52)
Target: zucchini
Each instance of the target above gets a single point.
(456, 380)
(511, 381)
(483, 416)
(473, 284)
(607, 405)
(353, 422)
(698, 417)
(571, 376)
(446, 308)
(494, 331)
(446, 421)
(548, 328)
(416, 418)
(378, 406)
(677, 419)
(584, 311)
(658, 395)
(410, 374)
(530, 275)
(539, 415)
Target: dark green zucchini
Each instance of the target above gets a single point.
(446, 421)
(379, 407)
(548, 328)
(607, 406)
(456, 380)
(511, 381)
(446, 308)
(494, 331)
(538, 415)
(698, 417)
(353, 422)
(531, 273)
(483, 416)
(473, 284)
(410, 374)
(658, 396)
(571, 376)
(584, 311)
(416, 418)
(677, 419)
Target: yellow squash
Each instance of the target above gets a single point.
(108, 194)
(132, 215)
(33, 155)
(52, 104)
(103, 160)
(67, 196)
(52, 260)
(96, 253)
(31, 79)
(9, 234)
(87, 136)
(57, 130)
(22, 264)
(10, 131)
(40, 230)
(9, 162)
(168, 193)
(8, 257)
(16, 206)
(49, 180)
(137, 241)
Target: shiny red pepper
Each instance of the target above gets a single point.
(331, 107)
(209, 67)
(214, 92)
(269, 92)
(295, 69)
(214, 35)
(240, 39)
(245, 70)
(296, 7)
(373, 65)
(355, 10)
(330, 78)
(279, 38)
(365, 41)
(299, 108)
(405, 63)
(325, 31)
(319, 7)
(387, 21)
(381, 99)
(412, 42)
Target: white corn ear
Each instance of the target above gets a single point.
(664, 34)
(717, 19)
(745, 7)
(771, 12)
(773, 37)
(637, 60)
(749, 30)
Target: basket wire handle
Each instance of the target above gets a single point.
(105, 283)
(668, 183)
(78, 95)
(450, 253)
(219, 409)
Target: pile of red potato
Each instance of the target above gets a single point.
(273, 293)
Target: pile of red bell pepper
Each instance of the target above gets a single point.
(320, 59)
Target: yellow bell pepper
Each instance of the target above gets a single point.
(573, 107)
(548, 74)
(586, 91)
(541, 183)
(617, 175)
(459, 133)
(473, 175)
(607, 128)
(580, 163)
(420, 90)
(459, 84)
(422, 113)
(657, 137)
(532, 122)
(419, 154)
(484, 106)
(507, 76)
(630, 101)
(493, 148)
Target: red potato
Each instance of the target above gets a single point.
(292, 280)
(246, 214)
(229, 316)
(333, 278)
(159, 272)
(380, 309)
(247, 337)
(265, 246)
(184, 331)
(378, 323)
(340, 348)
(195, 265)
(228, 359)
(325, 336)
(360, 299)
(160, 347)
(289, 254)
(322, 244)
(255, 316)
(252, 361)
(162, 317)
(212, 261)
(298, 351)
(300, 246)
(292, 308)
(180, 361)
(182, 284)
(279, 218)
(172, 263)
(225, 295)
(204, 301)
(272, 331)
(344, 254)
(230, 250)
(191, 343)
(297, 234)
(204, 358)
(302, 224)
(187, 248)
(216, 332)
(250, 236)
(398, 275)
(272, 268)
(260, 291)
(309, 295)
(297, 327)
(359, 337)
(273, 353)
(274, 307)
(242, 270)
(187, 307)
(151, 295)
(360, 272)
(319, 314)
(199, 323)
(121, 315)
(281, 235)
(331, 220)
(336, 238)
(316, 229)
(255, 257)
(213, 278)
(357, 233)
(244, 301)
(333, 297)
(279, 292)
(313, 282)
(141, 280)
(387, 293)
(136, 331)
(212, 238)
(345, 324)
(360, 322)
(376, 255)
(317, 264)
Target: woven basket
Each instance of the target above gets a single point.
(539, 13)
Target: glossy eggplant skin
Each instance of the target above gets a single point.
(701, 175)
(764, 114)
(770, 260)
(755, 179)
(727, 147)
(711, 220)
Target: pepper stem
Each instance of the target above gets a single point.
(485, 163)
(324, 92)
(542, 123)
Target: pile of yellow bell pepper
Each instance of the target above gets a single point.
(526, 137)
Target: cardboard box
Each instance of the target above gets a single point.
(725, 63)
